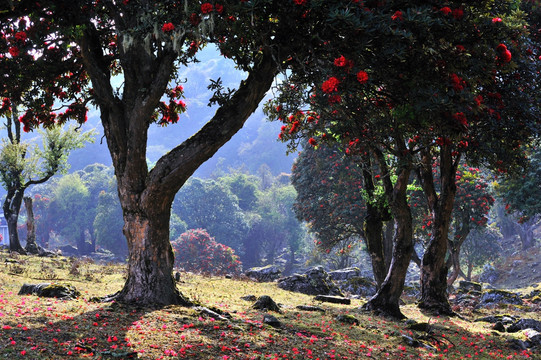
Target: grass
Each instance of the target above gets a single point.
(45, 328)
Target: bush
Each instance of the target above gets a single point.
(197, 251)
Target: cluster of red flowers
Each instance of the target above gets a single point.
(504, 55)
(457, 13)
(343, 62)
(330, 85)
(300, 2)
(457, 82)
(461, 119)
(168, 27)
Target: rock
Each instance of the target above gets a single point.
(345, 274)
(517, 344)
(315, 281)
(358, 285)
(533, 336)
(347, 319)
(504, 319)
(310, 308)
(271, 320)
(333, 299)
(498, 326)
(69, 250)
(267, 273)
(524, 324)
(248, 298)
(470, 285)
(64, 292)
(265, 302)
(489, 275)
(496, 297)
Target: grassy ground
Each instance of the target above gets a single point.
(45, 328)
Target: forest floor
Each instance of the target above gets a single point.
(47, 328)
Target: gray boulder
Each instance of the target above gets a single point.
(315, 281)
(267, 273)
(489, 275)
(496, 297)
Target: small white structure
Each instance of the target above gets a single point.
(4, 231)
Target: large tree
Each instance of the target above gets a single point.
(422, 88)
(146, 42)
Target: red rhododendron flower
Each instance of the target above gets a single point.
(330, 85)
(458, 82)
(300, 2)
(341, 61)
(168, 27)
(505, 54)
(20, 36)
(446, 10)
(461, 119)
(362, 77)
(458, 13)
(206, 8)
(397, 16)
(219, 8)
(14, 51)
(312, 141)
(496, 20)
(460, 48)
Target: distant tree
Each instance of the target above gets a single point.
(23, 165)
(108, 222)
(207, 204)
(473, 201)
(244, 187)
(483, 245)
(197, 251)
(69, 201)
(338, 199)
(522, 197)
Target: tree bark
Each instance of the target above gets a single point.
(31, 245)
(434, 295)
(387, 298)
(146, 196)
(12, 206)
(373, 231)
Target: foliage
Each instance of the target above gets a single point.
(329, 194)
(244, 187)
(197, 251)
(209, 205)
(108, 222)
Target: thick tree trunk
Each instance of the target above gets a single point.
(146, 196)
(150, 277)
(31, 245)
(434, 295)
(387, 299)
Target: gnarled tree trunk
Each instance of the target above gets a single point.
(146, 196)
(387, 299)
(434, 295)
(31, 246)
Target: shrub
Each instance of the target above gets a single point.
(197, 251)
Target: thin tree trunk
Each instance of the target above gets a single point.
(12, 205)
(387, 298)
(31, 246)
(434, 295)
